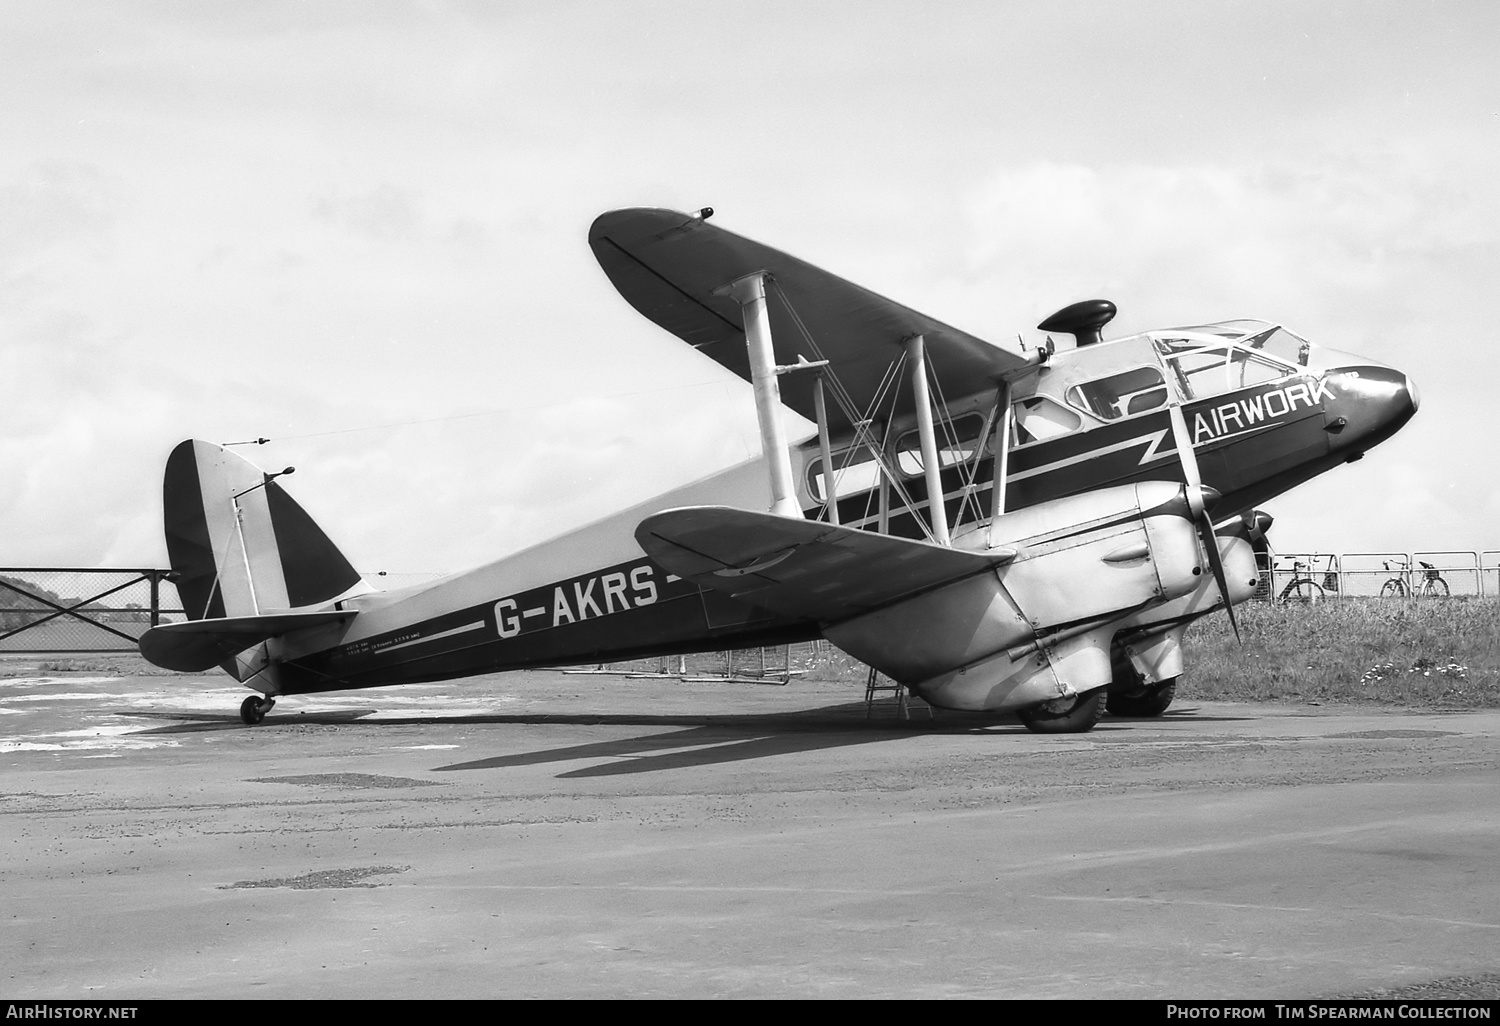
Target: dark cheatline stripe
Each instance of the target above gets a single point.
(314, 568)
(188, 545)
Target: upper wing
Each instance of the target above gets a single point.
(801, 567)
(667, 264)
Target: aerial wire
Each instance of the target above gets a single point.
(478, 413)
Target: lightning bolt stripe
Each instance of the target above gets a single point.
(1152, 453)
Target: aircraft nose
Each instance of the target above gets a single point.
(1367, 405)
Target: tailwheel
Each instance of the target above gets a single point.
(254, 709)
(1065, 715)
(1149, 700)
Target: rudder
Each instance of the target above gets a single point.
(239, 545)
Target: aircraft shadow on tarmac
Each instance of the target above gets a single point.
(703, 740)
(715, 743)
(200, 723)
(695, 746)
(849, 717)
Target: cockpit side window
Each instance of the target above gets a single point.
(1038, 418)
(1203, 370)
(1121, 395)
(1279, 343)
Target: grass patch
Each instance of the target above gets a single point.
(1415, 653)
(1421, 653)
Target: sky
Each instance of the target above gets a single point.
(359, 229)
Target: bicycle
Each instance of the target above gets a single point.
(1433, 585)
(1397, 586)
(1403, 584)
(1305, 588)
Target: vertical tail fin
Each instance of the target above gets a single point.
(239, 544)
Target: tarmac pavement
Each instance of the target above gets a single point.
(564, 835)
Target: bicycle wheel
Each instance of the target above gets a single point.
(1305, 592)
(1393, 589)
(1436, 588)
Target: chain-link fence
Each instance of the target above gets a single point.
(58, 609)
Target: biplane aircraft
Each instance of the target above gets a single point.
(1003, 529)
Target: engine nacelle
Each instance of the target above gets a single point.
(1153, 637)
(1039, 627)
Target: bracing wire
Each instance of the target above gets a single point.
(847, 405)
(967, 475)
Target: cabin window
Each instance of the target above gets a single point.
(1208, 370)
(855, 470)
(957, 442)
(1121, 395)
(1039, 418)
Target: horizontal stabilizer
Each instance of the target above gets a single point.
(201, 644)
(801, 568)
(672, 266)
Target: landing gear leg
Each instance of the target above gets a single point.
(254, 708)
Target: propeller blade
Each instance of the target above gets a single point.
(1200, 499)
(1216, 562)
(1189, 460)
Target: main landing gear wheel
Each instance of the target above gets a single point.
(254, 709)
(1064, 715)
(1151, 700)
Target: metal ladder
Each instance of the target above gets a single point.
(874, 686)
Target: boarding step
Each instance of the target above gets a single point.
(877, 684)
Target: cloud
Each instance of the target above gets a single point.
(387, 213)
(1199, 241)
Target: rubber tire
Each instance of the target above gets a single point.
(1153, 702)
(1430, 589)
(1308, 593)
(1078, 719)
(1391, 589)
(251, 710)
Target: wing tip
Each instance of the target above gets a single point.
(636, 221)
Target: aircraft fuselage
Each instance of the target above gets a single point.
(1263, 414)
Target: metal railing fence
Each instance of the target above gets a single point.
(1416, 574)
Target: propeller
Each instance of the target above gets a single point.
(1200, 500)
(1257, 531)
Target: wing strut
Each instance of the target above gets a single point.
(825, 449)
(1002, 457)
(937, 511)
(750, 293)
